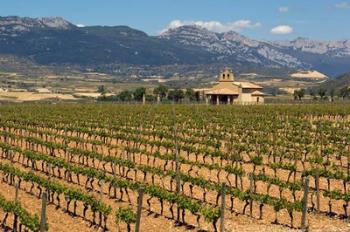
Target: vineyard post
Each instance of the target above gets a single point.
(43, 213)
(139, 208)
(274, 147)
(16, 193)
(304, 204)
(15, 220)
(143, 99)
(49, 170)
(11, 156)
(114, 169)
(101, 189)
(348, 160)
(222, 219)
(251, 191)
(317, 182)
(177, 166)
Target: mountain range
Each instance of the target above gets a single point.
(55, 41)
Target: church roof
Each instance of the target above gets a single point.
(258, 93)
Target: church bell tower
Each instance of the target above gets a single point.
(226, 75)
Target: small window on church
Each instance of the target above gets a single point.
(228, 75)
(223, 76)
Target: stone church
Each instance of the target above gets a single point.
(229, 91)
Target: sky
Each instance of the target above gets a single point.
(259, 19)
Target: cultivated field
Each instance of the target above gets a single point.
(94, 160)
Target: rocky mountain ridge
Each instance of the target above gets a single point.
(14, 25)
(55, 41)
(229, 44)
(332, 48)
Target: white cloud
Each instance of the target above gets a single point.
(80, 25)
(343, 5)
(282, 30)
(283, 9)
(215, 26)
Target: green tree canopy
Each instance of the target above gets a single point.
(176, 95)
(161, 91)
(190, 94)
(331, 94)
(322, 93)
(299, 94)
(125, 95)
(344, 92)
(138, 93)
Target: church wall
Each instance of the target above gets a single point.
(249, 99)
(245, 97)
(255, 99)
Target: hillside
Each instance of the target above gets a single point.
(55, 41)
(337, 83)
(314, 75)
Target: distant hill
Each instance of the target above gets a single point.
(337, 83)
(55, 41)
(312, 75)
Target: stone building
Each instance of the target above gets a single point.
(229, 91)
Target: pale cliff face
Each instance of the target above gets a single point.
(231, 44)
(14, 25)
(335, 48)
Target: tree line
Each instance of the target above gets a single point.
(160, 93)
(322, 93)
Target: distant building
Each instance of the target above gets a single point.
(229, 91)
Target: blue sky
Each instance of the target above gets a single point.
(261, 19)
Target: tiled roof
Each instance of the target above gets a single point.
(258, 93)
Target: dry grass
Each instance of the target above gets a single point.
(31, 96)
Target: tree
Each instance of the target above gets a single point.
(150, 98)
(313, 94)
(171, 95)
(101, 89)
(161, 91)
(331, 94)
(190, 94)
(198, 96)
(344, 92)
(299, 94)
(139, 93)
(295, 94)
(322, 93)
(176, 95)
(125, 95)
(274, 92)
(108, 98)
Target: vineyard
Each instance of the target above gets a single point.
(104, 167)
